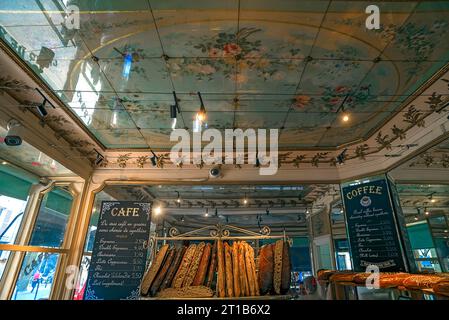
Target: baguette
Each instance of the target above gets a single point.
(242, 266)
(212, 266)
(228, 271)
(184, 267)
(186, 292)
(249, 273)
(221, 282)
(193, 268)
(253, 269)
(286, 269)
(153, 269)
(173, 267)
(235, 268)
(277, 277)
(266, 264)
(162, 272)
(202, 268)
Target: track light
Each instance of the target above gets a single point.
(342, 157)
(99, 159)
(41, 108)
(153, 159)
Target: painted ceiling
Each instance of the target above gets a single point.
(258, 64)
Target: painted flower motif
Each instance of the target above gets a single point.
(215, 53)
(231, 49)
(207, 69)
(341, 89)
(278, 75)
(334, 100)
(262, 63)
(240, 78)
(301, 101)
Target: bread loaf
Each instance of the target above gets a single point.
(194, 265)
(173, 267)
(342, 277)
(203, 267)
(186, 292)
(277, 276)
(184, 267)
(244, 286)
(324, 275)
(153, 270)
(419, 281)
(162, 272)
(228, 271)
(442, 287)
(212, 266)
(235, 268)
(392, 280)
(266, 263)
(221, 281)
(249, 272)
(252, 269)
(286, 269)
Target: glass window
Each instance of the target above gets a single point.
(52, 219)
(36, 276)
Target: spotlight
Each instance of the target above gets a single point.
(342, 157)
(41, 108)
(201, 115)
(99, 159)
(158, 210)
(153, 159)
(13, 136)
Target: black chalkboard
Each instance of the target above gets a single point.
(371, 227)
(120, 251)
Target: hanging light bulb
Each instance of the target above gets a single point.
(201, 115)
(207, 212)
(245, 200)
(345, 117)
(178, 200)
(174, 109)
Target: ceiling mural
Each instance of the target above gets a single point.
(289, 65)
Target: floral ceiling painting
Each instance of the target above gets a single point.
(287, 65)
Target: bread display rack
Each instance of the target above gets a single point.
(219, 271)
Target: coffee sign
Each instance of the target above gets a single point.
(120, 251)
(371, 227)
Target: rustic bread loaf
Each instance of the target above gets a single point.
(162, 272)
(203, 267)
(442, 287)
(266, 263)
(252, 269)
(184, 267)
(228, 271)
(173, 267)
(324, 275)
(153, 269)
(221, 280)
(249, 273)
(392, 279)
(194, 265)
(212, 266)
(244, 285)
(286, 269)
(421, 281)
(186, 292)
(235, 268)
(277, 277)
(342, 277)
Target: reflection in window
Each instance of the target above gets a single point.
(36, 276)
(52, 219)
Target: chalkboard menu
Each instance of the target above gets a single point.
(371, 227)
(120, 250)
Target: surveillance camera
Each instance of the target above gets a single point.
(13, 137)
(215, 172)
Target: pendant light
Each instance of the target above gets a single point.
(201, 115)
(174, 109)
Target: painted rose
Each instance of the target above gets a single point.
(334, 100)
(207, 69)
(341, 89)
(215, 53)
(231, 49)
(301, 101)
